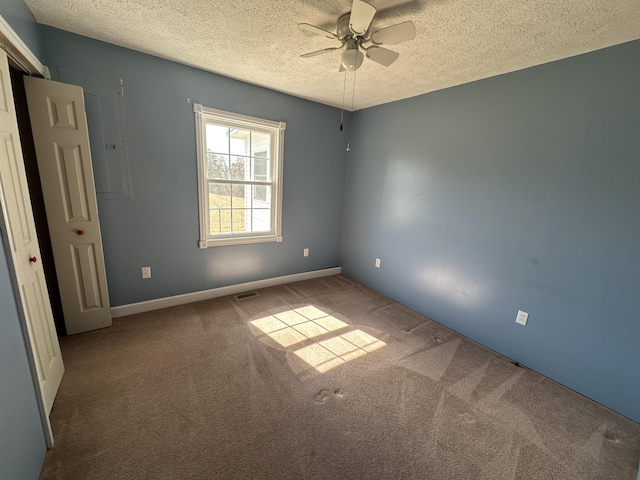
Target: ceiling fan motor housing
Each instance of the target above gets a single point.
(343, 31)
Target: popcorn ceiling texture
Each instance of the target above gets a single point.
(457, 41)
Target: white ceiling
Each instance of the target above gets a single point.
(257, 41)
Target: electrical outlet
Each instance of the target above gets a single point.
(306, 252)
(522, 317)
(146, 272)
(377, 263)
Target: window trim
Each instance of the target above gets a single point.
(276, 129)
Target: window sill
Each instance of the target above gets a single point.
(239, 241)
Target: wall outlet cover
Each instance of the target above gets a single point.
(377, 263)
(522, 317)
(146, 272)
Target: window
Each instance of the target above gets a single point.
(239, 176)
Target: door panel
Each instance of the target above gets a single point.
(87, 277)
(24, 248)
(37, 310)
(17, 194)
(62, 113)
(71, 178)
(64, 161)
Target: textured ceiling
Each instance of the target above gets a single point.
(457, 41)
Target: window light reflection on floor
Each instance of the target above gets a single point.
(294, 326)
(335, 351)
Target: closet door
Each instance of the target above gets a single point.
(23, 245)
(61, 138)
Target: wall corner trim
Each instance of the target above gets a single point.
(18, 49)
(132, 308)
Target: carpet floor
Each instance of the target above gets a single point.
(319, 379)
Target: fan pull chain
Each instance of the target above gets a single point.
(344, 87)
(353, 94)
(353, 91)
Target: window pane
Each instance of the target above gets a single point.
(219, 208)
(261, 196)
(260, 168)
(239, 168)
(218, 166)
(240, 141)
(220, 221)
(260, 144)
(261, 219)
(239, 217)
(219, 195)
(217, 138)
(241, 220)
(239, 193)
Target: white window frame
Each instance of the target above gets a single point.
(206, 115)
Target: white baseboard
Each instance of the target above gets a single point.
(149, 305)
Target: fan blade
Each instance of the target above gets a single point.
(319, 52)
(394, 34)
(361, 16)
(317, 30)
(382, 55)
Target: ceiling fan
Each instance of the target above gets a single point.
(354, 31)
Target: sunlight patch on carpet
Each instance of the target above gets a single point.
(295, 326)
(298, 325)
(325, 355)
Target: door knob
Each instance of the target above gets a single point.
(80, 232)
(33, 259)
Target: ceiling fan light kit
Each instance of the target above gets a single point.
(353, 31)
(351, 58)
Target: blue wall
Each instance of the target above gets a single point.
(22, 441)
(20, 18)
(516, 192)
(158, 227)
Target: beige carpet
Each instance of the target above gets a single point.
(321, 379)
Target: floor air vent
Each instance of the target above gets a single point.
(242, 296)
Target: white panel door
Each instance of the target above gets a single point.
(24, 248)
(61, 138)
